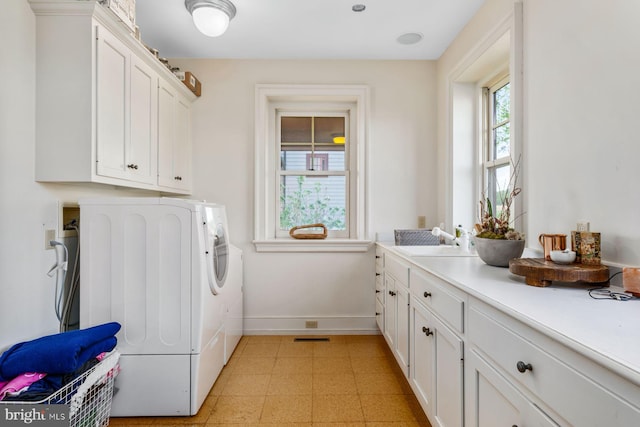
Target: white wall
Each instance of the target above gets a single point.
(284, 289)
(581, 79)
(337, 288)
(26, 207)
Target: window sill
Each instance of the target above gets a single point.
(312, 245)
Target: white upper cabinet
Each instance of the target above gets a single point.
(174, 140)
(126, 111)
(97, 102)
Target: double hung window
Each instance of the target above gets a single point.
(497, 151)
(313, 171)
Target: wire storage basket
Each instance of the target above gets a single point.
(89, 395)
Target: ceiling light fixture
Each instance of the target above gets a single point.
(211, 17)
(410, 38)
(358, 7)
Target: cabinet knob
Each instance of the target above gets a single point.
(377, 256)
(378, 314)
(377, 291)
(377, 274)
(524, 367)
(427, 294)
(426, 331)
(132, 166)
(177, 178)
(392, 293)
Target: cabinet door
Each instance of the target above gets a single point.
(182, 147)
(402, 328)
(422, 356)
(174, 141)
(112, 110)
(390, 311)
(448, 376)
(142, 150)
(436, 367)
(493, 401)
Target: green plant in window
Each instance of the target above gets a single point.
(308, 206)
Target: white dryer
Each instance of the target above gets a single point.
(159, 266)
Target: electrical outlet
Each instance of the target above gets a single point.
(582, 225)
(49, 235)
(422, 221)
(311, 324)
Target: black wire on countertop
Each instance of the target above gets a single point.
(603, 292)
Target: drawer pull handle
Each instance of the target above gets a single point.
(377, 291)
(524, 367)
(378, 314)
(393, 294)
(377, 256)
(377, 274)
(132, 166)
(426, 331)
(427, 294)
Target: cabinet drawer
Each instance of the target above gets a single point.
(379, 258)
(397, 269)
(559, 383)
(380, 289)
(438, 296)
(380, 315)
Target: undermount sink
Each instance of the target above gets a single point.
(436, 251)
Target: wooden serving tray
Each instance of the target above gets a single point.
(540, 272)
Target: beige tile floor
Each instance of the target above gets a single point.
(350, 381)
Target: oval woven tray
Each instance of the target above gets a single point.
(314, 235)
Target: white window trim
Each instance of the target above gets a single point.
(487, 161)
(267, 97)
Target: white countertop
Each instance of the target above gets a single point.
(607, 331)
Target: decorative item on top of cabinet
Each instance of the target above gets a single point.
(125, 10)
(190, 81)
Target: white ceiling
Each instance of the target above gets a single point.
(308, 29)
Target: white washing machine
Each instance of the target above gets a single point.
(160, 267)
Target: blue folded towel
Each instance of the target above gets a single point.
(61, 353)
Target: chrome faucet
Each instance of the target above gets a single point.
(463, 240)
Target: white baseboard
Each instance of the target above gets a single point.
(327, 325)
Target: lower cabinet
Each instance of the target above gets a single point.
(380, 289)
(436, 374)
(495, 402)
(471, 364)
(508, 360)
(401, 349)
(396, 314)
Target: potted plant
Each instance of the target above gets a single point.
(496, 241)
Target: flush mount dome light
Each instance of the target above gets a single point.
(211, 17)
